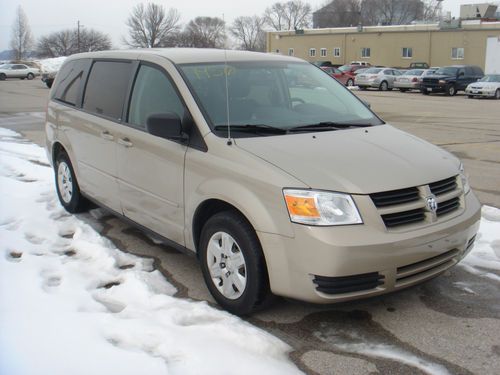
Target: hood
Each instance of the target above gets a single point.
(358, 161)
(439, 76)
(485, 84)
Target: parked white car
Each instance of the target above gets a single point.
(488, 86)
(409, 80)
(18, 71)
(380, 78)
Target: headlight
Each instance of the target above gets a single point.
(465, 180)
(322, 208)
(442, 82)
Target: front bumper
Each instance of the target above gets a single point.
(319, 256)
(480, 92)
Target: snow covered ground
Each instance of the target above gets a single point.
(72, 303)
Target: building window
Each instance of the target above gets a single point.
(407, 52)
(323, 52)
(290, 52)
(336, 52)
(365, 53)
(312, 52)
(457, 53)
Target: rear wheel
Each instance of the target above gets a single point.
(68, 190)
(383, 86)
(30, 76)
(233, 264)
(2, 76)
(497, 94)
(350, 82)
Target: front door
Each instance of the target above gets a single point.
(150, 168)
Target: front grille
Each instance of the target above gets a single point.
(408, 206)
(425, 268)
(404, 217)
(443, 186)
(389, 198)
(448, 206)
(433, 81)
(348, 284)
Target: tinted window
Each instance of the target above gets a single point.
(107, 87)
(69, 80)
(153, 93)
(477, 71)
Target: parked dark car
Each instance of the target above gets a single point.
(451, 79)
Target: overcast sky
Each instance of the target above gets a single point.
(109, 16)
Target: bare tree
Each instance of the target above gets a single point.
(151, 26)
(204, 32)
(22, 39)
(431, 10)
(65, 42)
(249, 33)
(289, 15)
(391, 12)
(338, 13)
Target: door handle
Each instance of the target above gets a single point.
(125, 142)
(107, 135)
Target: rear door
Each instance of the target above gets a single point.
(95, 128)
(150, 168)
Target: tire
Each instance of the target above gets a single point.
(2, 76)
(403, 90)
(451, 90)
(67, 187)
(384, 86)
(48, 84)
(30, 76)
(497, 94)
(424, 92)
(236, 275)
(350, 82)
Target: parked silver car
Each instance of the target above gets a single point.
(18, 71)
(409, 80)
(488, 86)
(379, 78)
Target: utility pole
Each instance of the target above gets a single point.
(78, 34)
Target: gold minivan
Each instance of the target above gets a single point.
(278, 178)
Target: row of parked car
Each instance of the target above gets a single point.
(448, 80)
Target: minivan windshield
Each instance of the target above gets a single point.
(273, 95)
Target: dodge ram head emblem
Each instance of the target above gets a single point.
(432, 204)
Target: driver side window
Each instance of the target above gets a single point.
(153, 93)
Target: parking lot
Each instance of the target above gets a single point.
(450, 324)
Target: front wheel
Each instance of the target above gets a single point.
(451, 90)
(68, 190)
(2, 76)
(350, 82)
(233, 264)
(497, 94)
(30, 76)
(383, 86)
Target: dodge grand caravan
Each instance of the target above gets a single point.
(280, 186)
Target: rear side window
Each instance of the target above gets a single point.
(153, 94)
(106, 88)
(69, 80)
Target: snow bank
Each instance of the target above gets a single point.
(51, 65)
(72, 303)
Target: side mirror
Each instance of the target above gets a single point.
(166, 125)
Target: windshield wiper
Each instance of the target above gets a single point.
(327, 125)
(253, 128)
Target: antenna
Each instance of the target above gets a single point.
(229, 142)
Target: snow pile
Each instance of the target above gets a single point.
(71, 303)
(485, 257)
(50, 65)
